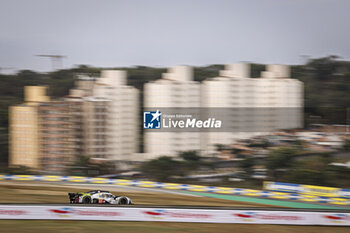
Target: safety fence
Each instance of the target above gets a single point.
(185, 187)
(47, 212)
(307, 189)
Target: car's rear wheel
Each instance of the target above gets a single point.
(87, 200)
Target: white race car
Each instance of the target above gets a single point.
(98, 197)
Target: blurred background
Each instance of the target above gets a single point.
(77, 76)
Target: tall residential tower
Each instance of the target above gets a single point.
(176, 89)
(255, 105)
(122, 113)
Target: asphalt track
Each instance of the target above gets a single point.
(308, 198)
(109, 187)
(262, 201)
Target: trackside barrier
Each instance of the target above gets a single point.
(47, 212)
(307, 189)
(172, 186)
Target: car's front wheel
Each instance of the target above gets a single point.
(122, 200)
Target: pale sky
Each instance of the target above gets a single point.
(113, 33)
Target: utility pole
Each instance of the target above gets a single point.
(56, 60)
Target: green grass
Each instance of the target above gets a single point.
(263, 201)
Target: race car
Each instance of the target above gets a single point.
(98, 197)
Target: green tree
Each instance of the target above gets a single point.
(338, 176)
(247, 166)
(324, 68)
(219, 147)
(313, 170)
(279, 160)
(190, 156)
(191, 160)
(306, 176)
(19, 170)
(263, 144)
(162, 168)
(346, 145)
(86, 166)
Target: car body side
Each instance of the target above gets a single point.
(98, 198)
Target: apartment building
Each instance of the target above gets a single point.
(55, 133)
(99, 118)
(83, 86)
(24, 129)
(80, 115)
(75, 105)
(255, 105)
(176, 89)
(40, 132)
(95, 135)
(122, 113)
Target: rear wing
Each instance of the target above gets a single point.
(72, 197)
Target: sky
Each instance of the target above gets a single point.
(162, 33)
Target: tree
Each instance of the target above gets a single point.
(219, 147)
(346, 145)
(190, 156)
(338, 176)
(313, 170)
(263, 144)
(86, 166)
(279, 160)
(306, 176)
(247, 165)
(191, 160)
(323, 68)
(162, 168)
(19, 170)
